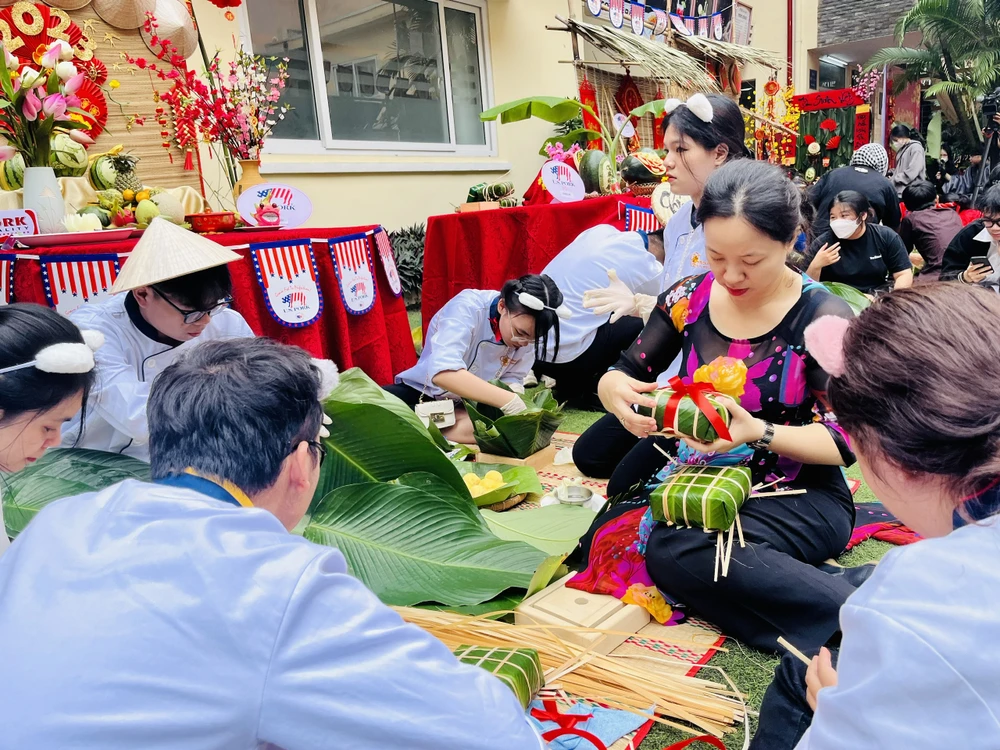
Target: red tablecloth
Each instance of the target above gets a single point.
(482, 250)
(379, 342)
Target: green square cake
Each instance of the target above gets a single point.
(520, 668)
(707, 497)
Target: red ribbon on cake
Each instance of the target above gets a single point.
(698, 393)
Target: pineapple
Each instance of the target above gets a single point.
(126, 177)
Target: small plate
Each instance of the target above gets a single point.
(74, 238)
(574, 495)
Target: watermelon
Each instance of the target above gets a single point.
(67, 157)
(633, 170)
(12, 173)
(102, 173)
(596, 171)
(101, 213)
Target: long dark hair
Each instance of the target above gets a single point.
(726, 127)
(757, 192)
(545, 289)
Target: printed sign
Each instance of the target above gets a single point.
(681, 26)
(6, 277)
(742, 23)
(274, 205)
(638, 16)
(594, 6)
(563, 182)
(622, 121)
(836, 99)
(18, 221)
(353, 265)
(286, 272)
(71, 281)
(661, 22)
(616, 9)
(388, 260)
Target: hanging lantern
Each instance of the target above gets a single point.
(588, 97)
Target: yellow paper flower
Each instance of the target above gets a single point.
(678, 314)
(651, 600)
(727, 375)
(113, 83)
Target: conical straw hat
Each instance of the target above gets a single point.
(166, 251)
(174, 22)
(124, 14)
(68, 4)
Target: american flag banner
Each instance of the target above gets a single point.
(72, 281)
(352, 263)
(388, 260)
(637, 218)
(595, 7)
(287, 274)
(616, 9)
(6, 277)
(703, 26)
(637, 14)
(661, 21)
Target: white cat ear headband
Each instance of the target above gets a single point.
(699, 105)
(65, 359)
(533, 303)
(329, 379)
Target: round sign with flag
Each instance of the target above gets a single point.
(563, 182)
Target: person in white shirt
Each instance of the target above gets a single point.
(916, 668)
(172, 292)
(181, 613)
(46, 372)
(479, 336)
(589, 344)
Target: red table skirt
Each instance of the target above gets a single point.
(482, 250)
(379, 342)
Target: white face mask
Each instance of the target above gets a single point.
(896, 145)
(843, 228)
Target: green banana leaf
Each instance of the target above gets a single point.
(857, 300)
(63, 473)
(410, 546)
(553, 109)
(516, 435)
(517, 480)
(375, 437)
(550, 570)
(555, 529)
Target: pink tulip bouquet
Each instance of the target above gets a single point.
(37, 104)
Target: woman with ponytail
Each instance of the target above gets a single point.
(479, 336)
(916, 666)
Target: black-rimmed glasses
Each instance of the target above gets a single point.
(193, 316)
(318, 446)
(990, 223)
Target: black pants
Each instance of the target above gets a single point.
(603, 446)
(576, 381)
(407, 394)
(785, 714)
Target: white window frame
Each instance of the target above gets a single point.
(328, 145)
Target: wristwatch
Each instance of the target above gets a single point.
(766, 438)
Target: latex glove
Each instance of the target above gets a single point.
(515, 406)
(616, 299)
(644, 304)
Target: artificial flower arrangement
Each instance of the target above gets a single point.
(828, 140)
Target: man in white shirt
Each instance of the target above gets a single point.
(180, 613)
(172, 292)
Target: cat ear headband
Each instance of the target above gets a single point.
(329, 378)
(66, 358)
(825, 342)
(699, 105)
(533, 303)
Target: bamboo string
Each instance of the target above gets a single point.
(794, 651)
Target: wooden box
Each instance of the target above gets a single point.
(539, 460)
(464, 208)
(558, 605)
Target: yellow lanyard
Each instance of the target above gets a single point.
(239, 495)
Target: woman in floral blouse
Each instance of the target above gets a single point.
(741, 328)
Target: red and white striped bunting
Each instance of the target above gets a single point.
(639, 219)
(384, 245)
(353, 266)
(71, 281)
(286, 272)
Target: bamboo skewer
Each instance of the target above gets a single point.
(794, 651)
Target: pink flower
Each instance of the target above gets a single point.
(73, 101)
(7, 152)
(73, 84)
(12, 62)
(31, 106)
(54, 105)
(58, 50)
(80, 137)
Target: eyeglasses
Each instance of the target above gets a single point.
(193, 316)
(318, 446)
(990, 223)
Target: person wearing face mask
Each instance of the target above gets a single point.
(857, 252)
(46, 373)
(479, 336)
(946, 171)
(973, 257)
(866, 175)
(911, 161)
(751, 308)
(172, 293)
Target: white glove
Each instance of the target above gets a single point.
(616, 299)
(644, 304)
(515, 406)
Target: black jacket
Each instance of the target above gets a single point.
(879, 191)
(961, 250)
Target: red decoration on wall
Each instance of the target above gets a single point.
(628, 98)
(827, 100)
(588, 96)
(92, 102)
(658, 123)
(862, 128)
(32, 28)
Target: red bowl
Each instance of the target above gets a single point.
(219, 221)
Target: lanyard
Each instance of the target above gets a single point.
(227, 492)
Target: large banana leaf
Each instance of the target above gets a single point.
(410, 546)
(375, 437)
(63, 473)
(555, 529)
(516, 435)
(517, 480)
(857, 300)
(549, 108)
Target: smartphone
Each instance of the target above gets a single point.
(981, 260)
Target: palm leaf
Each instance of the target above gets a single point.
(410, 546)
(516, 435)
(857, 300)
(63, 473)
(922, 58)
(555, 529)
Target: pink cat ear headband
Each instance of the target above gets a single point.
(825, 342)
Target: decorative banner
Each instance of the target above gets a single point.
(30, 27)
(71, 281)
(639, 219)
(18, 222)
(273, 204)
(837, 99)
(661, 22)
(742, 23)
(638, 16)
(616, 9)
(594, 6)
(563, 182)
(352, 263)
(717, 30)
(703, 26)
(862, 126)
(6, 277)
(680, 25)
(384, 245)
(287, 274)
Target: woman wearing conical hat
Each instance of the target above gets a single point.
(173, 291)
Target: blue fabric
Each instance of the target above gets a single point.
(201, 485)
(607, 724)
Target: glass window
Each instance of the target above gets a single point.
(831, 75)
(395, 71)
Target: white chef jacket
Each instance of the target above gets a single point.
(683, 248)
(156, 617)
(918, 663)
(584, 265)
(126, 366)
(460, 337)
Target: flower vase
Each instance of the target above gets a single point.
(43, 196)
(250, 176)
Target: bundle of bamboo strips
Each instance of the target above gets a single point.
(630, 682)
